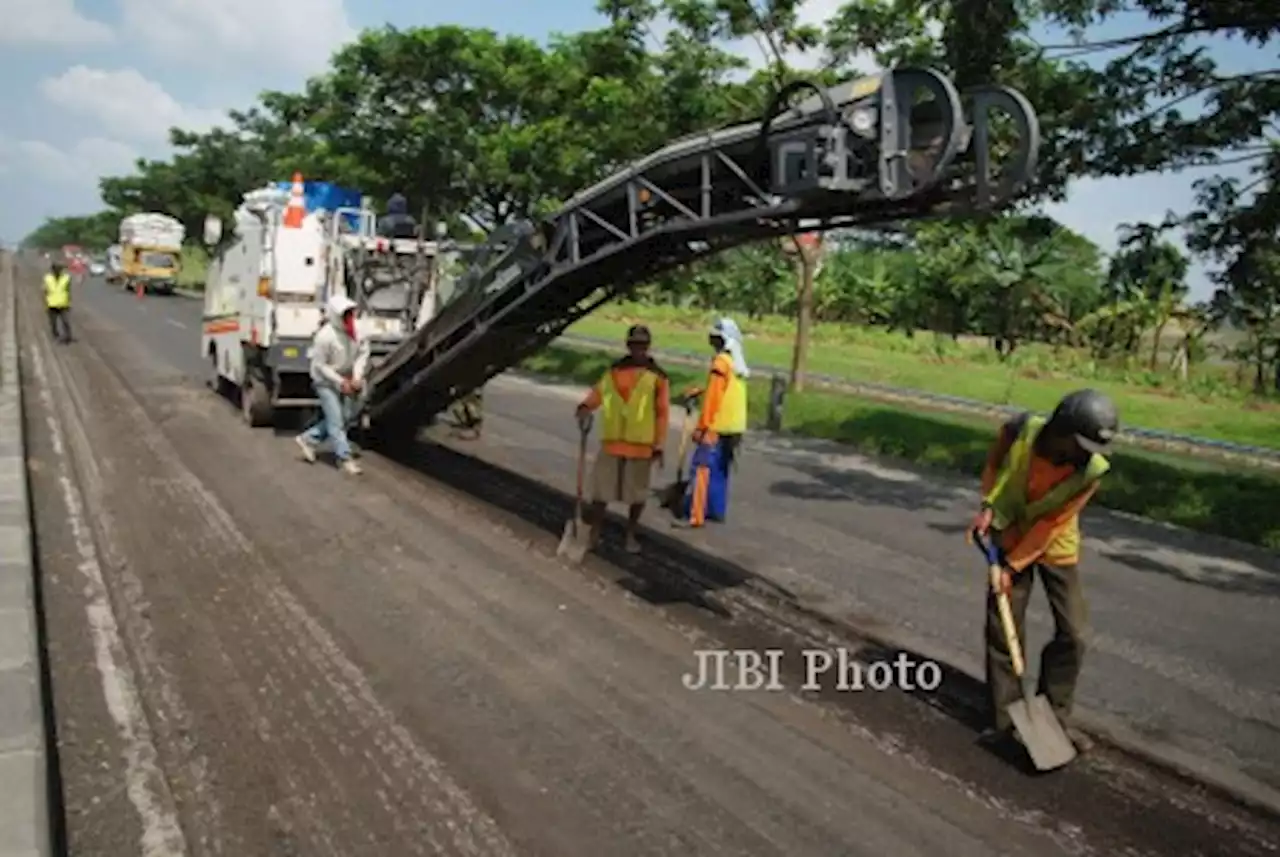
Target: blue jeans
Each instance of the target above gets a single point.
(335, 410)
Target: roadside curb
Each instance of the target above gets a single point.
(24, 813)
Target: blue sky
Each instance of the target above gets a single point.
(86, 86)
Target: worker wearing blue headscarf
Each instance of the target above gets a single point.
(722, 422)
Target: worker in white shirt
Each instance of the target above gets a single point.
(338, 364)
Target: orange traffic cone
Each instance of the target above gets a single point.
(139, 289)
(297, 208)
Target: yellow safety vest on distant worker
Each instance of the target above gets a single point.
(1008, 497)
(633, 420)
(57, 291)
(732, 416)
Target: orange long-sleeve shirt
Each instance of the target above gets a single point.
(1025, 548)
(625, 375)
(713, 394)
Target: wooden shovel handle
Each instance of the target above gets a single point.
(1006, 620)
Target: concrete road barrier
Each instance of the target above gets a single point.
(24, 776)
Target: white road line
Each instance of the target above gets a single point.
(176, 323)
(161, 833)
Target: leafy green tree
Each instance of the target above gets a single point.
(94, 232)
(1237, 227)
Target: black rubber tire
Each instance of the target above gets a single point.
(255, 404)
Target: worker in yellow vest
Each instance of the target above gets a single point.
(1039, 476)
(634, 396)
(722, 422)
(57, 301)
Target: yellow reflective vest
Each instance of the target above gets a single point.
(1012, 509)
(731, 417)
(57, 291)
(632, 420)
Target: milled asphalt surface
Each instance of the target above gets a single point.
(1183, 646)
(308, 665)
(1183, 643)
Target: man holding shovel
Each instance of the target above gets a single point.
(634, 397)
(1039, 476)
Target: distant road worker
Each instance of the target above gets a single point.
(468, 415)
(634, 395)
(1039, 476)
(338, 364)
(57, 301)
(722, 422)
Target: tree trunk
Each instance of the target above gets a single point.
(1155, 346)
(804, 318)
(1259, 367)
(1182, 361)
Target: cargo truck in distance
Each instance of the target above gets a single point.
(151, 252)
(268, 284)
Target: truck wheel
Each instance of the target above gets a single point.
(255, 403)
(215, 381)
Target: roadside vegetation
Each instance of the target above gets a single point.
(1214, 403)
(195, 267)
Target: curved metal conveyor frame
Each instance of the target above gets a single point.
(868, 151)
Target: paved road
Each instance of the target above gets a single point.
(278, 661)
(1184, 641)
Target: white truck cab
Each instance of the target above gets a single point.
(268, 284)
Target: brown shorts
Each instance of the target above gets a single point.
(620, 480)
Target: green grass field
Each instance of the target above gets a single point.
(1035, 378)
(1203, 496)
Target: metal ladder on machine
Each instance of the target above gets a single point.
(901, 145)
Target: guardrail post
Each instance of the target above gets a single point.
(777, 398)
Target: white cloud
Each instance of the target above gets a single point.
(49, 22)
(83, 163)
(126, 103)
(294, 35)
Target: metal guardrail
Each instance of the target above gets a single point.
(1149, 438)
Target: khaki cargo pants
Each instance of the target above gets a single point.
(1061, 658)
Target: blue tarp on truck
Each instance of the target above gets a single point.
(326, 196)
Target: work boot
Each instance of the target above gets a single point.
(632, 544)
(308, 451)
(350, 468)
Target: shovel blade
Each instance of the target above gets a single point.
(573, 543)
(1041, 732)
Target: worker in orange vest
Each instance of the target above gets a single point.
(1039, 476)
(634, 395)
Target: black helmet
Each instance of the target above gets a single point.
(1090, 416)
(638, 334)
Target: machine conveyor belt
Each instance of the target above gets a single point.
(898, 146)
